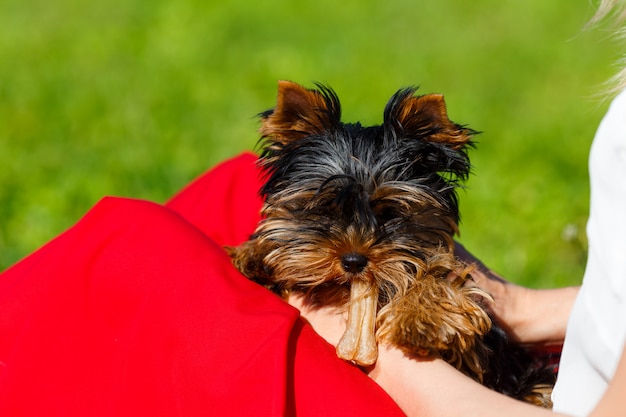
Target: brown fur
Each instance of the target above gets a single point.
(385, 195)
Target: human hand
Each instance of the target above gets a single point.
(329, 322)
(533, 316)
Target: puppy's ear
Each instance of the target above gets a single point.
(423, 117)
(300, 112)
(432, 141)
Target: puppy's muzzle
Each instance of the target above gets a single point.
(353, 262)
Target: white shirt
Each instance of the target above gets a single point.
(597, 327)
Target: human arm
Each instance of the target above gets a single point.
(528, 315)
(424, 387)
(421, 387)
(427, 387)
(431, 387)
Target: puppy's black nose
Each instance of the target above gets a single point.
(353, 262)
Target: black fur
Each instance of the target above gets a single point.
(323, 177)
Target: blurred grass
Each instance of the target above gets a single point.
(136, 98)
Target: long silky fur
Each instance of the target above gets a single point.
(388, 192)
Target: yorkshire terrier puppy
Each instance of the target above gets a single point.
(363, 219)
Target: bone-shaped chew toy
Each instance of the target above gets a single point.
(358, 343)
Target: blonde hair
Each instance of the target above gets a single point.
(615, 12)
(613, 8)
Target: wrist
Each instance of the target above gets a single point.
(508, 307)
(539, 316)
(511, 305)
(514, 307)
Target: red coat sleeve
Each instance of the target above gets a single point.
(135, 311)
(235, 183)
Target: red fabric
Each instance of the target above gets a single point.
(135, 311)
(235, 183)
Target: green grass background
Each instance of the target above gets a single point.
(136, 98)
